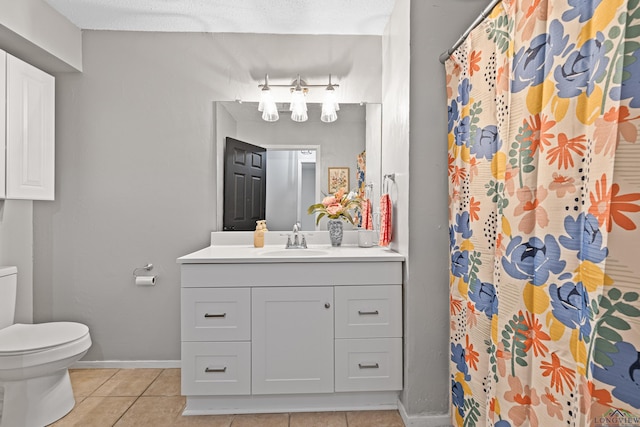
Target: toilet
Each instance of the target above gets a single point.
(35, 389)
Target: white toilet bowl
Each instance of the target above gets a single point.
(34, 376)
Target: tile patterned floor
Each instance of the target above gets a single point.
(151, 397)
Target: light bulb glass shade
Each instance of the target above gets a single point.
(328, 115)
(268, 106)
(265, 98)
(329, 106)
(270, 114)
(298, 106)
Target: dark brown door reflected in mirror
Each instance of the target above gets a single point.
(245, 183)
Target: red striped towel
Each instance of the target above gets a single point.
(385, 220)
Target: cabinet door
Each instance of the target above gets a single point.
(292, 340)
(3, 118)
(30, 132)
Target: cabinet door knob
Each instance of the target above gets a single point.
(327, 305)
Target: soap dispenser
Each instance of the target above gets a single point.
(258, 235)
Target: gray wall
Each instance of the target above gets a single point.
(415, 140)
(16, 248)
(435, 26)
(34, 32)
(135, 180)
(308, 185)
(282, 189)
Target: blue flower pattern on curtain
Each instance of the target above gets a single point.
(544, 203)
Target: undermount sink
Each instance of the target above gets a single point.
(293, 252)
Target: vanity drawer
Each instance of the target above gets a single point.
(216, 314)
(373, 364)
(368, 311)
(220, 368)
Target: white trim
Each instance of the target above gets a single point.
(126, 364)
(276, 403)
(423, 420)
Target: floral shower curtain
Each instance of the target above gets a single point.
(544, 207)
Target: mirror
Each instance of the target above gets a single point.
(300, 154)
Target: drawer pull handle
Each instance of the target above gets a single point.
(215, 369)
(368, 366)
(365, 313)
(207, 315)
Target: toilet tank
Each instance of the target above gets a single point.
(8, 285)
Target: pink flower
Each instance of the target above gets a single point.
(593, 401)
(510, 176)
(502, 77)
(554, 407)
(500, 245)
(329, 200)
(524, 399)
(562, 185)
(335, 209)
(472, 316)
(502, 357)
(530, 207)
(337, 206)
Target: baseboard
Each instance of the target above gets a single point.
(303, 402)
(423, 420)
(126, 364)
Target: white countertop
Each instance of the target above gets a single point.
(278, 254)
(228, 247)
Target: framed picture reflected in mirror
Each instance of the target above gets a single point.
(338, 178)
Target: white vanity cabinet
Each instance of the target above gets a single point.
(291, 336)
(27, 140)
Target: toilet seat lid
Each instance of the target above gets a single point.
(26, 337)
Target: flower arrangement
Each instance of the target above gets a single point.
(337, 206)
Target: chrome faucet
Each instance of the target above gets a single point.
(299, 241)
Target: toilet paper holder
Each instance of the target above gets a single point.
(144, 280)
(147, 267)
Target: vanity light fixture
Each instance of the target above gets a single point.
(267, 105)
(330, 104)
(298, 107)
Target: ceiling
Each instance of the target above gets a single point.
(347, 17)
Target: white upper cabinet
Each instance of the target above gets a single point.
(29, 133)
